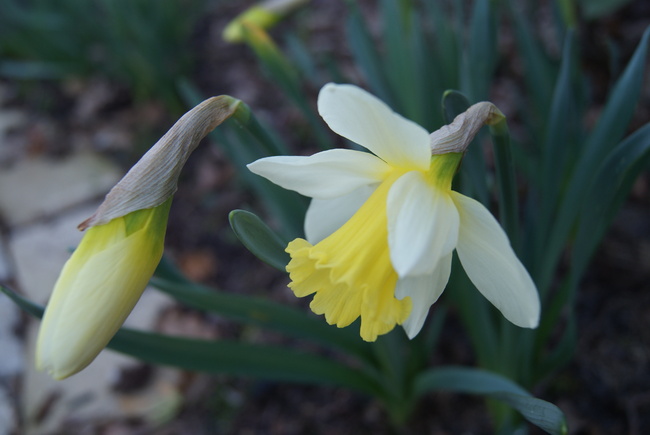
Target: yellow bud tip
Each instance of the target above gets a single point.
(256, 16)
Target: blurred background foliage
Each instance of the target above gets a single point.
(141, 45)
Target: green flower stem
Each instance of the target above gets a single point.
(507, 185)
(568, 11)
(245, 117)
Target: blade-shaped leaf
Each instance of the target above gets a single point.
(259, 238)
(365, 53)
(607, 133)
(611, 186)
(239, 358)
(285, 75)
(267, 314)
(482, 52)
(228, 357)
(558, 140)
(542, 414)
(26, 305)
(539, 72)
(286, 206)
(620, 107)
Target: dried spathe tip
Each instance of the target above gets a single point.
(456, 137)
(155, 177)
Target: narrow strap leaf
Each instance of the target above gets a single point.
(244, 359)
(365, 53)
(258, 238)
(24, 304)
(610, 188)
(228, 357)
(267, 314)
(542, 414)
(482, 49)
(609, 130)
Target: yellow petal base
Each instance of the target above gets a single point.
(350, 271)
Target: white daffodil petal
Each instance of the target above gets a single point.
(327, 174)
(491, 264)
(422, 225)
(424, 291)
(364, 119)
(324, 216)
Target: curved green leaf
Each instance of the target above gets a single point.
(559, 137)
(453, 104)
(539, 71)
(267, 314)
(238, 358)
(620, 107)
(542, 414)
(609, 130)
(482, 50)
(258, 238)
(228, 357)
(611, 186)
(26, 305)
(365, 53)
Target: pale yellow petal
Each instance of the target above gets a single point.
(366, 120)
(491, 264)
(422, 225)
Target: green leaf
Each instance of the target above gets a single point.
(558, 138)
(244, 359)
(285, 75)
(611, 187)
(26, 305)
(482, 52)
(539, 72)
(259, 238)
(227, 357)
(453, 104)
(365, 53)
(445, 50)
(244, 139)
(620, 106)
(593, 9)
(609, 130)
(402, 59)
(542, 414)
(266, 314)
(476, 315)
(506, 181)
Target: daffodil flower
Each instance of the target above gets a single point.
(382, 226)
(107, 273)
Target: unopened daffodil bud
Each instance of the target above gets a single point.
(263, 15)
(107, 273)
